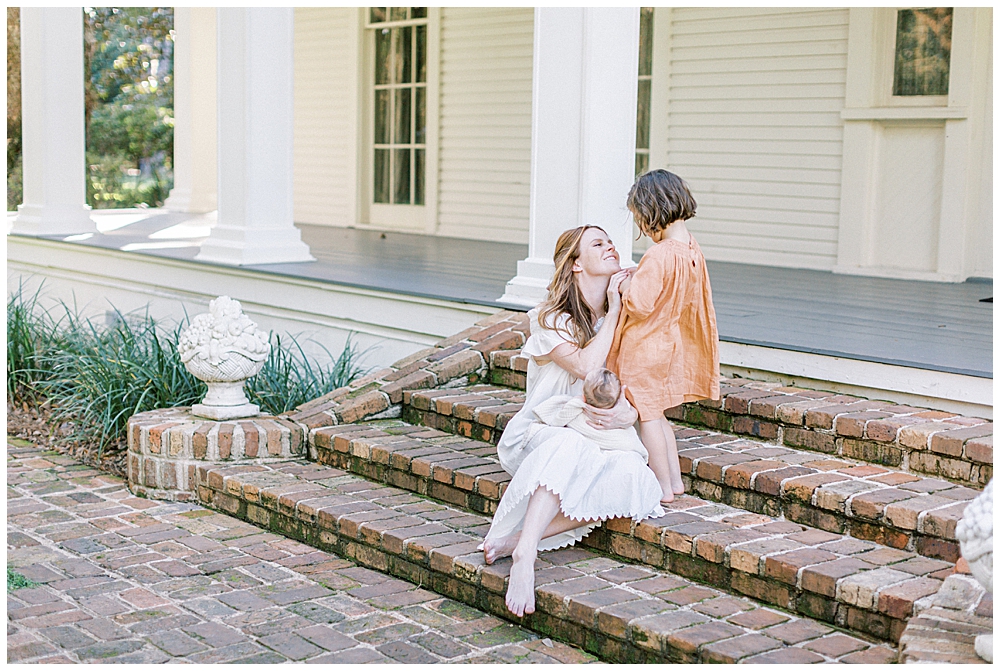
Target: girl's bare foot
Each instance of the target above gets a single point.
(521, 590)
(498, 548)
(668, 493)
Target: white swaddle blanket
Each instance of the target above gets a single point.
(568, 411)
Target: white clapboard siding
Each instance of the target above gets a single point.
(754, 127)
(485, 145)
(324, 116)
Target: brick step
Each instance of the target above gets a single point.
(917, 440)
(620, 612)
(835, 494)
(856, 583)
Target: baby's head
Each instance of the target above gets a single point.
(601, 388)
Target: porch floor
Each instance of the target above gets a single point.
(928, 325)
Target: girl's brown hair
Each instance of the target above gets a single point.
(564, 294)
(659, 198)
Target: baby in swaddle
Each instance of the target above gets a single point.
(601, 389)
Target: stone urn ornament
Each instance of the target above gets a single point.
(975, 534)
(223, 348)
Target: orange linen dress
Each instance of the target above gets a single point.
(666, 346)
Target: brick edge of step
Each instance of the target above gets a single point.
(853, 500)
(934, 443)
(613, 620)
(756, 556)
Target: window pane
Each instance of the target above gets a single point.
(418, 177)
(421, 55)
(381, 170)
(642, 116)
(923, 52)
(401, 176)
(418, 12)
(382, 116)
(420, 126)
(401, 117)
(397, 13)
(382, 38)
(646, 41)
(641, 163)
(403, 57)
(377, 14)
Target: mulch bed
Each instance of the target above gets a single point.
(32, 421)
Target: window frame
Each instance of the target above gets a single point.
(886, 25)
(402, 217)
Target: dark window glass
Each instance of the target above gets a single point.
(418, 12)
(397, 13)
(381, 175)
(642, 116)
(418, 177)
(401, 117)
(421, 55)
(641, 163)
(401, 176)
(420, 123)
(382, 43)
(923, 52)
(382, 116)
(404, 55)
(646, 41)
(376, 14)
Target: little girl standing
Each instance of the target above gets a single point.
(666, 347)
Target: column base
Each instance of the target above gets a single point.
(282, 246)
(530, 286)
(53, 220)
(187, 200)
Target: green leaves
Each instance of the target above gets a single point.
(96, 377)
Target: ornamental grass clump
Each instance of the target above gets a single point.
(30, 333)
(95, 377)
(104, 375)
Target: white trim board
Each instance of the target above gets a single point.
(950, 392)
(96, 278)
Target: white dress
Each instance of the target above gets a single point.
(591, 483)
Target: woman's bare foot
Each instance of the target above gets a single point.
(521, 590)
(497, 548)
(668, 493)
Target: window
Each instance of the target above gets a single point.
(399, 147)
(645, 85)
(923, 52)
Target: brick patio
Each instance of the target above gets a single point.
(131, 580)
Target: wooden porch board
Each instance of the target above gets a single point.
(929, 325)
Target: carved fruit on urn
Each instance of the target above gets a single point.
(223, 348)
(975, 533)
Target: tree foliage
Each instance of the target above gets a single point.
(129, 101)
(14, 175)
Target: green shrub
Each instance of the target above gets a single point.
(96, 377)
(30, 333)
(288, 379)
(101, 376)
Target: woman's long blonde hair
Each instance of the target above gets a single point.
(564, 294)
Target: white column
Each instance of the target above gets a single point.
(52, 123)
(583, 108)
(195, 149)
(255, 110)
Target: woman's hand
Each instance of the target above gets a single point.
(621, 416)
(615, 292)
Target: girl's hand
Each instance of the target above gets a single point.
(621, 416)
(614, 290)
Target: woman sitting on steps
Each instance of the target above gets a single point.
(564, 485)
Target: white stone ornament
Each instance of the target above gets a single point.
(975, 533)
(223, 348)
